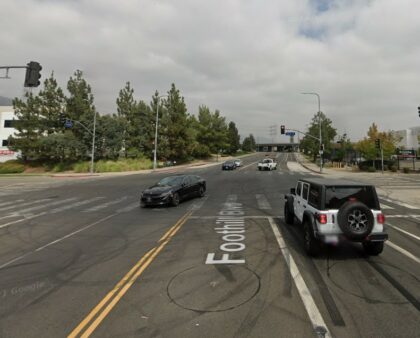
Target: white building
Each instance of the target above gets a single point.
(7, 116)
(409, 138)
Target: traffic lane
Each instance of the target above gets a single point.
(65, 280)
(359, 295)
(180, 295)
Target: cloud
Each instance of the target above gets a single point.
(249, 59)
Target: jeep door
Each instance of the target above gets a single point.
(297, 205)
(304, 198)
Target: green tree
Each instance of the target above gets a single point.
(80, 107)
(29, 127)
(367, 146)
(212, 132)
(233, 138)
(248, 143)
(176, 133)
(309, 144)
(110, 136)
(344, 148)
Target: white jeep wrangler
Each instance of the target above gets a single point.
(335, 210)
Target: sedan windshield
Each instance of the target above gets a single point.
(171, 181)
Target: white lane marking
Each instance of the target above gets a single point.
(248, 165)
(244, 217)
(408, 206)
(129, 207)
(77, 204)
(280, 172)
(23, 219)
(56, 241)
(197, 205)
(385, 206)
(403, 251)
(232, 198)
(403, 231)
(262, 202)
(307, 299)
(402, 216)
(13, 260)
(10, 202)
(104, 205)
(74, 233)
(24, 211)
(25, 204)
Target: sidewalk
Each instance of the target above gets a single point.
(386, 184)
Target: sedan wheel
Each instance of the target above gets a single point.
(175, 199)
(201, 191)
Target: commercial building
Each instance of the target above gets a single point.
(409, 138)
(7, 117)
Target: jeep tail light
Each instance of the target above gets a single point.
(322, 218)
(380, 218)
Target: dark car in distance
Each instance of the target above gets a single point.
(172, 190)
(229, 165)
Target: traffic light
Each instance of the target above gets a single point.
(33, 74)
(378, 143)
(322, 147)
(63, 118)
(419, 110)
(282, 130)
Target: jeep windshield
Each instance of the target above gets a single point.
(335, 197)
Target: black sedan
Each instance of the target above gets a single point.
(228, 165)
(172, 190)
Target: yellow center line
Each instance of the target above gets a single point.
(122, 287)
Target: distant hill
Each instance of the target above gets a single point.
(5, 101)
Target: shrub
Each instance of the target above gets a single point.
(371, 169)
(393, 168)
(406, 170)
(60, 167)
(81, 167)
(11, 167)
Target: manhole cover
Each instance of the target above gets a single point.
(213, 288)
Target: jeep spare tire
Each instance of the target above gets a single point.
(355, 220)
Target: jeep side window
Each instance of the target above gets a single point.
(314, 196)
(305, 191)
(298, 188)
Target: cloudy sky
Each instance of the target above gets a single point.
(250, 59)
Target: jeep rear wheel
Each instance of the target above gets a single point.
(312, 245)
(373, 248)
(355, 219)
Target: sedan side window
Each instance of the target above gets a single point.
(187, 180)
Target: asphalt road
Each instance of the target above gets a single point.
(79, 258)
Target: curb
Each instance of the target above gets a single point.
(310, 169)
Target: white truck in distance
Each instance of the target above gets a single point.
(267, 164)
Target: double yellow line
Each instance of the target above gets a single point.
(98, 314)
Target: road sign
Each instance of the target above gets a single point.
(290, 133)
(68, 124)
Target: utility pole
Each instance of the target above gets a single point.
(321, 148)
(156, 131)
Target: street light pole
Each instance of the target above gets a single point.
(156, 131)
(320, 134)
(93, 144)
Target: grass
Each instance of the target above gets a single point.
(11, 167)
(103, 166)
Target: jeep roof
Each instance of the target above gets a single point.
(333, 182)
